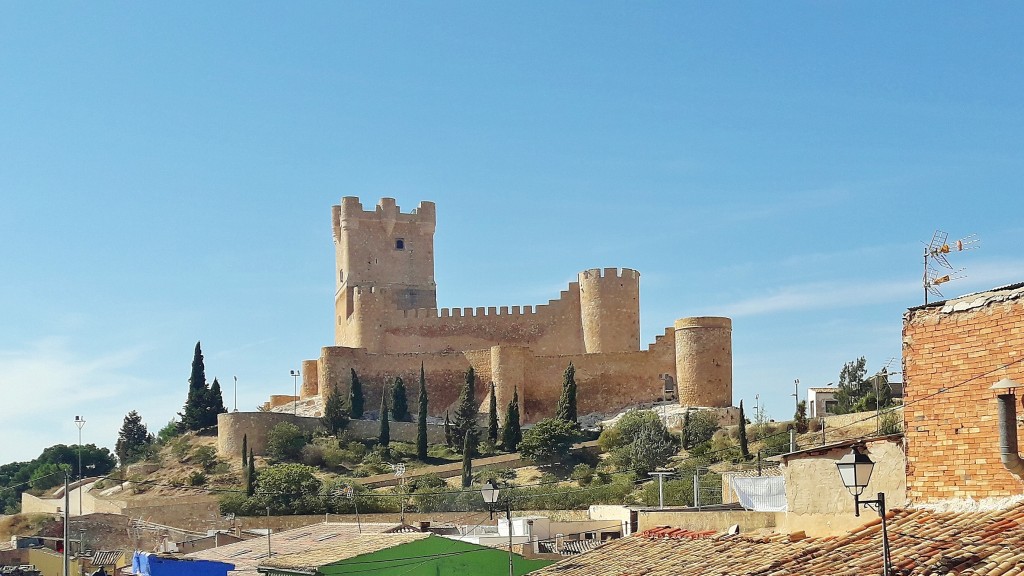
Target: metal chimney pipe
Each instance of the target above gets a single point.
(1008, 434)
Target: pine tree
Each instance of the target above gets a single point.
(744, 449)
(492, 418)
(467, 459)
(384, 436)
(214, 403)
(448, 439)
(245, 450)
(355, 396)
(132, 440)
(250, 475)
(400, 401)
(334, 419)
(421, 420)
(193, 416)
(511, 434)
(466, 412)
(567, 401)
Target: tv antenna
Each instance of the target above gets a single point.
(936, 252)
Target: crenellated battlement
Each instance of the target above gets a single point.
(611, 273)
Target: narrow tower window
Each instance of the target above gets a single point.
(399, 243)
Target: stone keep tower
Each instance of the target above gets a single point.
(704, 361)
(610, 309)
(384, 261)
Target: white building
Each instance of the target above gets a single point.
(821, 402)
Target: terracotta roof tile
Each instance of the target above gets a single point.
(310, 561)
(921, 543)
(678, 533)
(247, 554)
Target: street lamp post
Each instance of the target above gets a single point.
(295, 391)
(796, 396)
(80, 422)
(236, 395)
(490, 494)
(855, 470)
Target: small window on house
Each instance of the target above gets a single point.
(399, 243)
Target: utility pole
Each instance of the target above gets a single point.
(796, 396)
(661, 490)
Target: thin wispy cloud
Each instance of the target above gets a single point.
(48, 379)
(820, 295)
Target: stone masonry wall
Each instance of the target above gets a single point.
(254, 426)
(952, 354)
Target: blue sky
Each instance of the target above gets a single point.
(167, 173)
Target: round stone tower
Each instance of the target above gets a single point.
(610, 309)
(704, 361)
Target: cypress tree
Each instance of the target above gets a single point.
(492, 418)
(193, 416)
(250, 475)
(686, 424)
(245, 449)
(448, 440)
(421, 420)
(466, 411)
(334, 419)
(355, 396)
(214, 403)
(400, 401)
(384, 437)
(567, 401)
(744, 449)
(511, 434)
(467, 461)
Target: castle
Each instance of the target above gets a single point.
(387, 324)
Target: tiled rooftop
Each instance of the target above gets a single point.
(248, 554)
(310, 560)
(921, 543)
(676, 533)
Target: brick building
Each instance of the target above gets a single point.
(953, 352)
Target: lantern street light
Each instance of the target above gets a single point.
(855, 470)
(490, 494)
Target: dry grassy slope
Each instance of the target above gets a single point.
(24, 525)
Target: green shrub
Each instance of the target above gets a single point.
(312, 455)
(890, 422)
(285, 442)
(169, 432)
(180, 448)
(548, 440)
(583, 474)
(196, 478)
(205, 457)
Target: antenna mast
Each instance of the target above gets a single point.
(936, 251)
